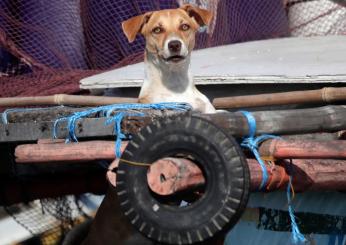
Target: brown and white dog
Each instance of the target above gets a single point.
(170, 38)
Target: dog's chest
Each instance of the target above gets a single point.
(192, 96)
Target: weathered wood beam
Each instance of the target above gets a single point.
(307, 174)
(322, 119)
(288, 149)
(324, 95)
(319, 175)
(167, 177)
(64, 99)
(97, 150)
(85, 128)
(281, 122)
(61, 152)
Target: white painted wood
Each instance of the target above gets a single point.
(285, 60)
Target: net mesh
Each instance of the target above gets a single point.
(46, 46)
(317, 18)
(50, 219)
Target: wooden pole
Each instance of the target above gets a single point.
(64, 99)
(168, 177)
(281, 122)
(324, 95)
(308, 174)
(57, 151)
(61, 152)
(288, 149)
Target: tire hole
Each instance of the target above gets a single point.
(175, 176)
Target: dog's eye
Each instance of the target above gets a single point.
(157, 30)
(184, 27)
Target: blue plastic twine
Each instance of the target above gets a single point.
(297, 236)
(120, 111)
(251, 142)
(117, 119)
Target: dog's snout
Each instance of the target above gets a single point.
(174, 46)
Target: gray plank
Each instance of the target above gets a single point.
(32, 131)
(321, 119)
(286, 60)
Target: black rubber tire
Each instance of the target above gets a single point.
(222, 163)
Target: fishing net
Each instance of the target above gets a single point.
(46, 46)
(317, 18)
(48, 220)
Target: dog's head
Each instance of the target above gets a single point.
(170, 33)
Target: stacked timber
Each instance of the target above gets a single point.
(316, 154)
(310, 154)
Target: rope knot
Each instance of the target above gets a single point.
(115, 114)
(251, 142)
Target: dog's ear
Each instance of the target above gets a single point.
(134, 25)
(202, 16)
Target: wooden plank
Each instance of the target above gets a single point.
(321, 119)
(285, 60)
(33, 131)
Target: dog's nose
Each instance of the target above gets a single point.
(174, 46)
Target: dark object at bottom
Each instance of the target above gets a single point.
(187, 217)
(111, 227)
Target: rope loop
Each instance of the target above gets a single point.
(115, 114)
(252, 143)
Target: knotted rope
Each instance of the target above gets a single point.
(252, 143)
(115, 114)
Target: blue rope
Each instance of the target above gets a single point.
(120, 111)
(252, 142)
(297, 236)
(117, 119)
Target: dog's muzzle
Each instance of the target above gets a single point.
(175, 51)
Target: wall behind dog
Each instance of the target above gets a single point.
(64, 41)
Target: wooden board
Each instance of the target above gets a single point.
(284, 122)
(285, 60)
